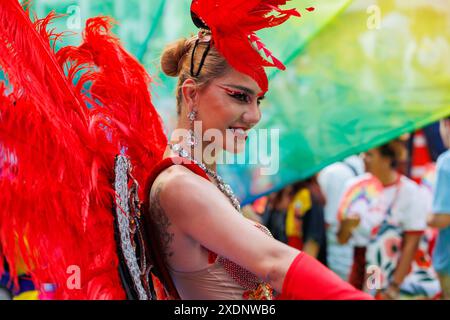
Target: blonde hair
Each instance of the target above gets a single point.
(176, 62)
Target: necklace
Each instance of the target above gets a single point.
(223, 187)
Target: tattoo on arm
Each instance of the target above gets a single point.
(161, 221)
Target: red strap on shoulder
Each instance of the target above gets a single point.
(168, 162)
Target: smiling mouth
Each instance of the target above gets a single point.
(240, 133)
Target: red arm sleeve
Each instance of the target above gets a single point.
(308, 279)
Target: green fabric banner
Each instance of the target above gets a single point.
(359, 74)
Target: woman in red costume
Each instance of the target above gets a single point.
(199, 245)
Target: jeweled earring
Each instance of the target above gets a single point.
(192, 139)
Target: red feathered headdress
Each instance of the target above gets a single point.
(233, 24)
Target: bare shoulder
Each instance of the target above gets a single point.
(181, 195)
(171, 199)
(176, 183)
(160, 216)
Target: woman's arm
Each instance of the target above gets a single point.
(202, 212)
(314, 230)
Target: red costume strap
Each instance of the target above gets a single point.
(308, 279)
(167, 163)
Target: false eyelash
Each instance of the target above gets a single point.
(241, 97)
(260, 100)
(238, 95)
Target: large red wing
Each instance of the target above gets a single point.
(59, 135)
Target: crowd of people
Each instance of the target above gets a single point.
(370, 223)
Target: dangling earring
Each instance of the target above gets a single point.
(192, 139)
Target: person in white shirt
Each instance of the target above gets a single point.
(332, 181)
(395, 240)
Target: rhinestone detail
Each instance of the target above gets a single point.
(223, 187)
(123, 218)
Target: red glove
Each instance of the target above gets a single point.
(308, 279)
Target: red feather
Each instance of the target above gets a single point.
(57, 155)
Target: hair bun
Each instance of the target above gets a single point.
(172, 57)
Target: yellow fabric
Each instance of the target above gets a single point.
(302, 203)
(29, 295)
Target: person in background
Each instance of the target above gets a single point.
(441, 213)
(305, 223)
(332, 181)
(249, 213)
(395, 236)
(359, 211)
(24, 289)
(5, 293)
(275, 216)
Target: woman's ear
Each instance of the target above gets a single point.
(190, 94)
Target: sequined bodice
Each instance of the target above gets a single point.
(221, 280)
(255, 289)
